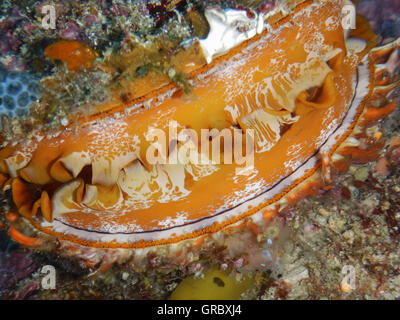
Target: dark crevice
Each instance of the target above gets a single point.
(86, 174)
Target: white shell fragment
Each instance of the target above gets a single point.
(228, 29)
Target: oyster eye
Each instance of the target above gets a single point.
(86, 174)
(313, 93)
(320, 97)
(336, 63)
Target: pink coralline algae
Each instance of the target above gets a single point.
(391, 159)
(70, 31)
(8, 40)
(382, 16)
(266, 6)
(14, 266)
(27, 291)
